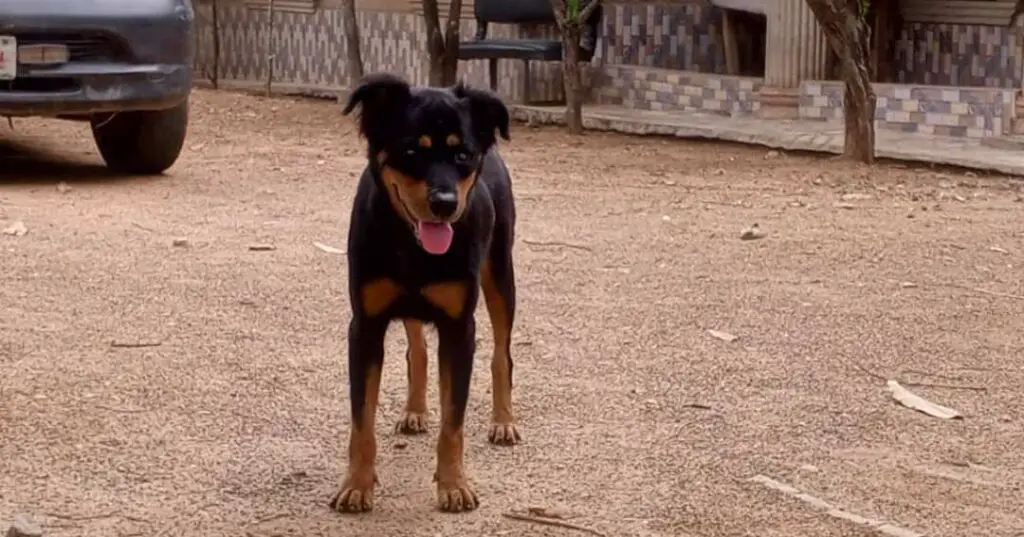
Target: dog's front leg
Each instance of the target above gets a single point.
(456, 345)
(365, 360)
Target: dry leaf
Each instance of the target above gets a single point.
(724, 336)
(329, 249)
(16, 229)
(915, 402)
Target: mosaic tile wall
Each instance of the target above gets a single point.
(664, 34)
(958, 55)
(309, 49)
(652, 88)
(949, 111)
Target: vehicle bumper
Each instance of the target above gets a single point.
(82, 89)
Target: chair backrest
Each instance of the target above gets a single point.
(514, 11)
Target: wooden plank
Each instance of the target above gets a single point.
(284, 6)
(980, 12)
(732, 58)
(416, 6)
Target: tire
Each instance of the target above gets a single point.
(141, 142)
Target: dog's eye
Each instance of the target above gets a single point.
(410, 152)
(462, 157)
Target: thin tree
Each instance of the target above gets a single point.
(352, 42)
(845, 25)
(571, 16)
(214, 20)
(443, 48)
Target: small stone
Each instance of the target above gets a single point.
(908, 285)
(751, 233)
(16, 229)
(771, 155)
(179, 242)
(809, 468)
(24, 526)
(401, 444)
(856, 196)
(63, 187)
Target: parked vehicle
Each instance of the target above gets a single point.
(125, 66)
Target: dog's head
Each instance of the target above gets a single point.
(426, 146)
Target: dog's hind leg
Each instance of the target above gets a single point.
(497, 278)
(414, 421)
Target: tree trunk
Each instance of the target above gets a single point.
(848, 34)
(572, 78)
(214, 20)
(352, 42)
(442, 47)
(571, 17)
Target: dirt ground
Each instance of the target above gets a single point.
(637, 421)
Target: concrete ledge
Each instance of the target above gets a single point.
(797, 135)
(277, 88)
(1006, 143)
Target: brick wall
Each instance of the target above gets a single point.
(651, 88)
(960, 55)
(944, 110)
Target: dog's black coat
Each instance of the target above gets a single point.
(382, 243)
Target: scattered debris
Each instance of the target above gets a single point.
(751, 233)
(24, 526)
(63, 187)
(844, 205)
(548, 512)
(554, 522)
(921, 384)
(998, 249)
(17, 229)
(179, 242)
(908, 285)
(261, 247)
(328, 249)
(880, 526)
(134, 344)
(558, 243)
(912, 401)
(724, 336)
(856, 196)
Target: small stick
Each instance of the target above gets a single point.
(987, 292)
(122, 410)
(79, 518)
(134, 344)
(558, 243)
(921, 384)
(552, 522)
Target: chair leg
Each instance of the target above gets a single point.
(492, 71)
(526, 81)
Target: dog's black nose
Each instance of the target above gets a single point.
(443, 204)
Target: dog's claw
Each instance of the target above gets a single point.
(355, 496)
(504, 434)
(457, 497)
(412, 423)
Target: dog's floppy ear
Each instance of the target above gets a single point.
(381, 96)
(487, 113)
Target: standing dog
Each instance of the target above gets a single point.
(432, 223)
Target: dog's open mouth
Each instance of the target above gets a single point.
(435, 237)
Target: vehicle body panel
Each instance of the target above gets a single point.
(123, 55)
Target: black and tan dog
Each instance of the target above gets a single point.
(432, 223)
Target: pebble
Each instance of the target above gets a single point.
(24, 526)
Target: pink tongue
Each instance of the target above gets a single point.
(436, 237)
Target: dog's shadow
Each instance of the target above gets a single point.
(26, 163)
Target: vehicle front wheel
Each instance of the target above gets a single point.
(144, 142)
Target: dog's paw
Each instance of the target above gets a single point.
(456, 496)
(355, 495)
(504, 434)
(412, 423)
